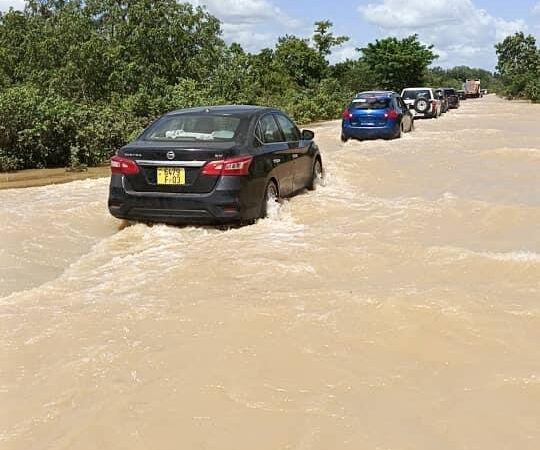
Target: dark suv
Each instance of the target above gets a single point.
(453, 97)
(441, 95)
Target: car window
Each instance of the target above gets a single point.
(289, 129)
(369, 103)
(269, 130)
(414, 94)
(450, 91)
(258, 132)
(194, 127)
(401, 103)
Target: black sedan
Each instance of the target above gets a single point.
(216, 164)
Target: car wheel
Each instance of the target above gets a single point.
(344, 137)
(316, 176)
(421, 105)
(270, 199)
(399, 131)
(411, 128)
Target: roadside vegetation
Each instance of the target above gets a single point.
(519, 67)
(80, 79)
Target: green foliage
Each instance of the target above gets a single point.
(80, 79)
(322, 103)
(532, 89)
(397, 63)
(519, 66)
(324, 39)
(48, 130)
(456, 76)
(304, 64)
(354, 76)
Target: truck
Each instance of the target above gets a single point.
(472, 89)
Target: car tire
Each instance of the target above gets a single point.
(271, 193)
(412, 126)
(399, 131)
(316, 176)
(344, 138)
(421, 105)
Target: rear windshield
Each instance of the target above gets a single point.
(450, 91)
(369, 103)
(413, 95)
(194, 127)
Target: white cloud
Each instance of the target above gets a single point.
(15, 4)
(343, 53)
(461, 32)
(252, 23)
(245, 11)
(536, 9)
(247, 35)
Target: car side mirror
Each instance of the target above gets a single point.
(308, 135)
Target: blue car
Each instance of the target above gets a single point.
(376, 114)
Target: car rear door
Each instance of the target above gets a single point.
(406, 116)
(302, 161)
(276, 152)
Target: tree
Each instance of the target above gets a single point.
(325, 40)
(398, 63)
(304, 64)
(354, 75)
(456, 76)
(519, 65)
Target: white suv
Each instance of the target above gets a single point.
(422, 102)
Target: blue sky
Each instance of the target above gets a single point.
(462, 31)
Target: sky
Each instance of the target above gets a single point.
(463, 32)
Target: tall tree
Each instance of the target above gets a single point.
(324, 39)
(519, 65)
(398, 63)
(303, 63)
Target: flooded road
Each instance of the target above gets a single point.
(397, 307)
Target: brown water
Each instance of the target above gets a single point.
(398, 307)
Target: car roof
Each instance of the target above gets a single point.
(388, 93)
(244, 110)
(417, 88)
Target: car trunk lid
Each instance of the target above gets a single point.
(170, 168)
(368, 118)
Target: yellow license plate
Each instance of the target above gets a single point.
(171, 175)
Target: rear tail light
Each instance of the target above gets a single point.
(391, 114)
(346, 114)
(231, 167)
(434, 105)
(124, 166)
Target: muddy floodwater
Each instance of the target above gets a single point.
(396, 308)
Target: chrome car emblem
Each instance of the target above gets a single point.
(170, 155)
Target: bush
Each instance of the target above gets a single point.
(50, 131)
(325, 102)
(532, 90)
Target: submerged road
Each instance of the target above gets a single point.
(397, 307)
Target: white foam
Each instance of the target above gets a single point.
(459, 254)
(518, 256)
